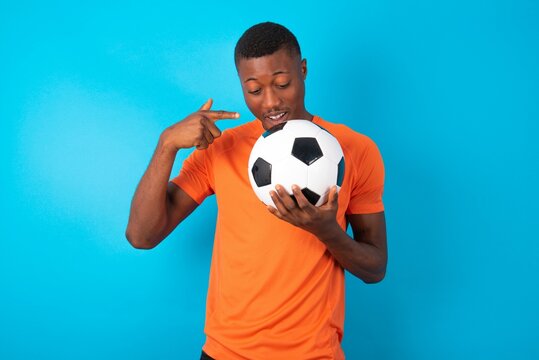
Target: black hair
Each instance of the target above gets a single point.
(265, 39)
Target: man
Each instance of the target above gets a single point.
(276, 288)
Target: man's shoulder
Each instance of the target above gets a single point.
(249, 129)
(229, 134)
(231, 137)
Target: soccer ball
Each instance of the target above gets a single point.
(296, 152)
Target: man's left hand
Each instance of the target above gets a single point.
(320, 221)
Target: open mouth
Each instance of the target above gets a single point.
(277, 117)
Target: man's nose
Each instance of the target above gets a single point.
(271, 101)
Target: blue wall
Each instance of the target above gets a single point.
(449, 91)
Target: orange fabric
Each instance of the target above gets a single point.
(274, 291)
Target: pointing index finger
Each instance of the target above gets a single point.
(215, 115)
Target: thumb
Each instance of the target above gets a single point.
(333, 197)
(207, 105)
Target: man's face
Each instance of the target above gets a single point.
(274, 87)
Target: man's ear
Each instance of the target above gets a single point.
(304, 68)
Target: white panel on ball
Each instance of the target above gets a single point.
(321, 173)
(304, 127)
(276, 146)
(288, 172)
(263, 194)
(322, 199)
(330, 146)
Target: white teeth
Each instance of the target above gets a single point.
(276, 117)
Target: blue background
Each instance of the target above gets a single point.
(449, 91)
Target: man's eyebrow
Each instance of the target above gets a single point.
(275, 73)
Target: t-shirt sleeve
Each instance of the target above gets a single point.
(196, 175)
(368, 180)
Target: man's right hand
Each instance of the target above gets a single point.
(197, 129)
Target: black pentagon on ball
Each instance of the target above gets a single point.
(261, 171)
(307, 150)
(310, 195)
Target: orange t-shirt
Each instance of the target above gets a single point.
(275, 292)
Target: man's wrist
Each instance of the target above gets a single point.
(329, 233)
(165, 145)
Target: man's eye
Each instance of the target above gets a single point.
(254, 92)
(283, 86)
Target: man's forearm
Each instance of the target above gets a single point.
(148, 216)
(360, 258)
